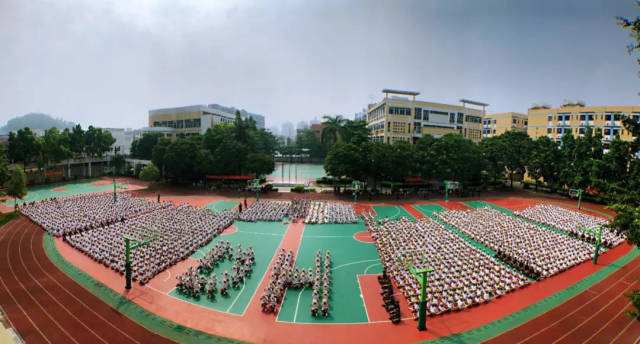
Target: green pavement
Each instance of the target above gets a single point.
(264, 237)
(220, 205)
(392, 212)
(44, 192)
(349, 258)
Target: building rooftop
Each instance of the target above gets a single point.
(409, 93)
(472, 102)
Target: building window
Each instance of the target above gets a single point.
(418, 113)
(549, 130)
(399, 111)
(460, 117)
(452, 117)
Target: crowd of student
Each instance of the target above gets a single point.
(299, 209)
(194, 282)
(309, 211)
(281, 275)
(462, 276)
(536, 251)
(573, 222)
(176, 233)
(330, 212)
(62, 216)
(390, 304)
(266, 211)
(321, 285)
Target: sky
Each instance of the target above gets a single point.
(106, 63)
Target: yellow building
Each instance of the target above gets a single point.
(497, 123)
(188, 120)
(400, 118)
(196, 119)
(574, 117)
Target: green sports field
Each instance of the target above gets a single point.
(350, 258)
(44, 192)
(264, 237)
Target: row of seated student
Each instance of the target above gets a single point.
(391, 305)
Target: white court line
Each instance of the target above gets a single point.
(370, 266)
(168, 277)
(237, 296)
(159, 291)
(352, 263)
(295, 315)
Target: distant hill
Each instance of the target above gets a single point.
(35, 120)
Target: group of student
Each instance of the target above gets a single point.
(536, 251)
(307, 210)
(321, 286)
(574, 223)
(281, 275)
(463, 276)
(263, 210)
(193, 281)
(174, 233)
(391, 305)
(63, 216)
(330, 212)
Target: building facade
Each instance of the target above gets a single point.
(196, 119)
(574, 117)
(400, 118)
(497, 123)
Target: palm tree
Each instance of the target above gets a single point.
(333, 130)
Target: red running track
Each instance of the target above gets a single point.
(594, 316)
(47, 306)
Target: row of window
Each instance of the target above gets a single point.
(603, 131)
(178, 124)
(590, 116)
(393, 110)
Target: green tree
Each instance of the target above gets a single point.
(158, 154)
(149, 173)
(493, 151)
(544, 161)
(355, 132)
(307, 139)
(142, 148)
(333, 130)
(97, 143)
(260, 164)
(4, 165)
(17, 187)
(627, 205)
(517, 149)
(23, 146)
(118, 161)
(344, 159)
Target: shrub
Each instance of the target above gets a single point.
(150, 173)
(298, 188)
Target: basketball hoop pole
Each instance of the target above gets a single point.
(446, 191)
(422, 311)
(598, 240)
(127, 252)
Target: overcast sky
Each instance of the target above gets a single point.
(107, 63)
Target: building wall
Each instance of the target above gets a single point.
(554, 122)
(395, 119)
(498, 123)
